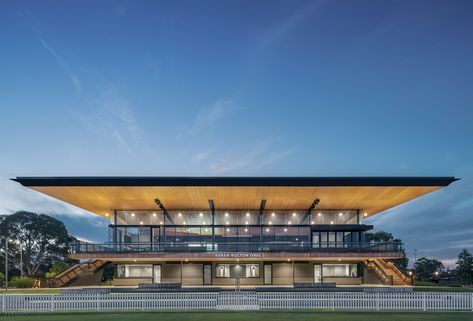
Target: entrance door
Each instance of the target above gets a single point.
(317, 273)
(157, 274)
(207, 274)
(268, 274)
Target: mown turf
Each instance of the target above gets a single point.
(248, 316)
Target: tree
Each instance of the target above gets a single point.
(465, 267)
(382, 236)
(42, 239)
(425, 267)
(57, 268)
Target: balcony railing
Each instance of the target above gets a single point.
(236, 247)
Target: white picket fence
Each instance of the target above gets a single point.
(425, 301)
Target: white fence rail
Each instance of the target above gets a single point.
(425, 301)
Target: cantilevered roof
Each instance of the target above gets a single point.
(101, 195)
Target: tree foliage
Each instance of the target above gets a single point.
(465, 267)
(57, 268)
(41, 238)
(425, 267)
(382, 236)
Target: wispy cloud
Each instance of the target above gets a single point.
(111, 117)
(251, 159)
(209, 116)
(65, 66)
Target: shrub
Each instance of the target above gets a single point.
(57, 268)
(2, 276)
(108, 282)
(22, 282)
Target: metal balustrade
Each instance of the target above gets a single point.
(237, 301)
(237, 247)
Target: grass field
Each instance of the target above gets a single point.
(247, 316)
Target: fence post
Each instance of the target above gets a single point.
(52, 302)
(98, 301)
(377, 301)
(423, 301)
(4, 308)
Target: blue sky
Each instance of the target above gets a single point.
(309, 88)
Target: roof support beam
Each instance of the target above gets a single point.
(261, 211)
(308, 214)
(165, 211)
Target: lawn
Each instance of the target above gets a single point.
(248, 316)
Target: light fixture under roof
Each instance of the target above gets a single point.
(141, 222)
(226, 214)
(272, 214)
(154, 214)
(285, 230)
(201, 214)
(132, 214)
(247, 214)
(312, 222)
(246, 230)
(318, 214)
(294, 214)
(246, 222)
(179, 214)
(184, 222)
(365, 214)
(331, 222)
(106, 214)
(227, 223)
(270, 222)
(161, 222)
(267, 230)
(228, 230)
(340, 214)
(289, 222)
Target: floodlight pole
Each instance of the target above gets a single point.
(6, 263)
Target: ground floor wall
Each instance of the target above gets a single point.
(251, 274)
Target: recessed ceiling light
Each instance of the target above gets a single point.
(318, 214)
(141, 222)
(247, 214)
(270, 222)
(285, 230)
(161, 222)
(154, 214)
(227, 223)
(106, 214)
(246, 222)
(179, 214)
(267, 230)
(132, 214)
(289, 222)
(246, 230)
(272, 214)
(312, 223)
(340, 214)
(184, 222)
(331, 222)
(294, 214)
(200, 214)
(365, 214)
(228, 230)
(226, 214)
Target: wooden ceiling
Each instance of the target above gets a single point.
(103, 199)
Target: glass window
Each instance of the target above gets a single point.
(252, 270)
(334, 217)
(339, 270)
(134, 271)
(139, 217)
(222, 271)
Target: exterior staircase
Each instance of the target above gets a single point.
(388, 272)
(72, 273)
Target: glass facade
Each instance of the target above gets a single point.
(235, 230)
